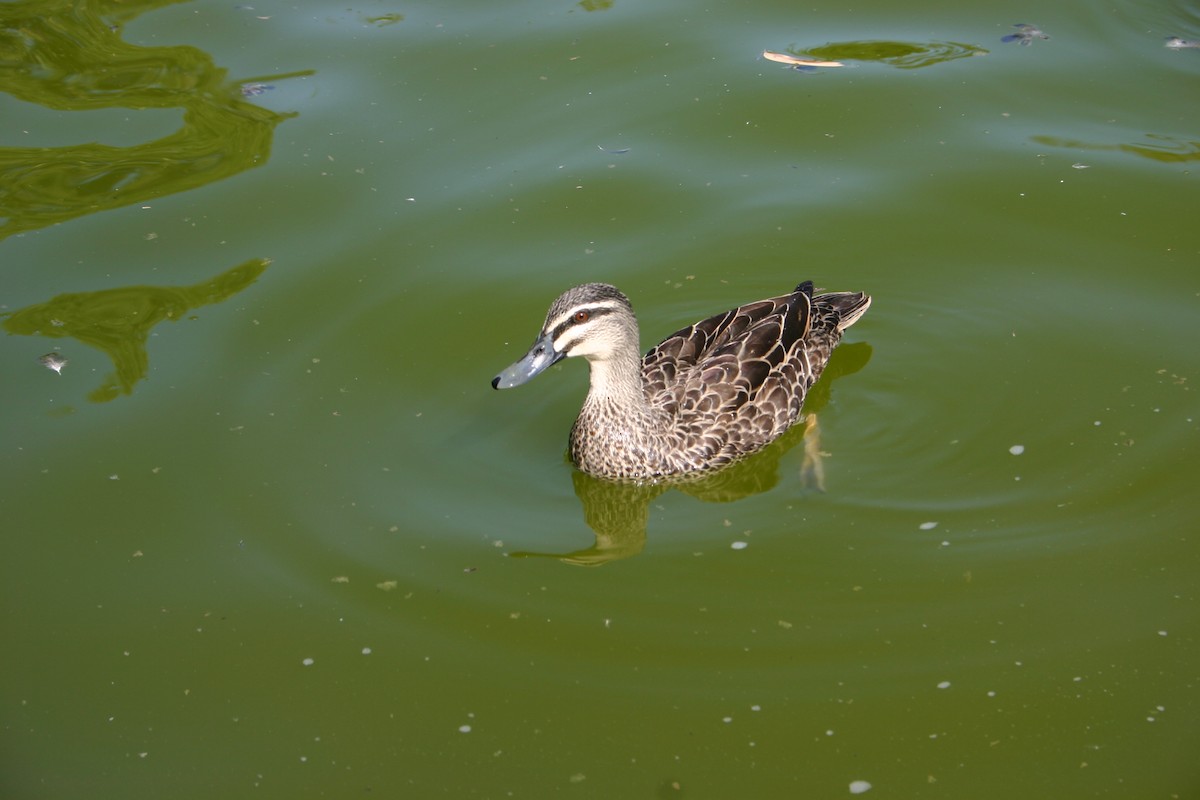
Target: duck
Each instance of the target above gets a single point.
(708, 395)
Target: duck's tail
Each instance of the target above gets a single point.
(837, 309)
(848, 306)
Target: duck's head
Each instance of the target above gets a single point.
(594, 320)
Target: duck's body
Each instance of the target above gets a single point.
(707, 395)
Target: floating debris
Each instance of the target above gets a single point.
(53, 361)
(858, 787)
(1025, 34)
(1017, 449)
(385, 19)
(252, 89)
(901, 55)
(739, 545)
(613, 151)
(927, 526)
(1175, 43)
(797, 61)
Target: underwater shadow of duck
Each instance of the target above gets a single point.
(618, 513)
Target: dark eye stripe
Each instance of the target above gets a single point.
(593, 312)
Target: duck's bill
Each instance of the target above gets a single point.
(539, 357)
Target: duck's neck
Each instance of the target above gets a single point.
(618, 432)
(617, 390)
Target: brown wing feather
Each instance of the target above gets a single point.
(735, 381)
(726, 379)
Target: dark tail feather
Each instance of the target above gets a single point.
(846, 307)
(849, 306)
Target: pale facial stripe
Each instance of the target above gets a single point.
(565, 321)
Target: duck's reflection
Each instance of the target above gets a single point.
(617, 513)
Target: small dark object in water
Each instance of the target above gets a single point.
(1025, 34)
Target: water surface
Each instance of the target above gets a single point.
(263, 530)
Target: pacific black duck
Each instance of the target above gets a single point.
(706, 396)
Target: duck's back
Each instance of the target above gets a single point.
(732, 383)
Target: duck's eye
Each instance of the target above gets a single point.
(581, 316)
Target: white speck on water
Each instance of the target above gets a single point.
(366, 651)
(740, 545)
(991, 694)
(1162, 633)
(1149, 719)
(727, 720)
(858, 787)
(1096, 423)
(829, 732)
(944, 685)
(308, 662)
(1017, 449)
(756, 708)
(927, 526)
(464, 728)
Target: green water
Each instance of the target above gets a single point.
(270, 533)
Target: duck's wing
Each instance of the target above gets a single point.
(721, 363)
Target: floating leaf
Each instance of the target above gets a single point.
(796, 61)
